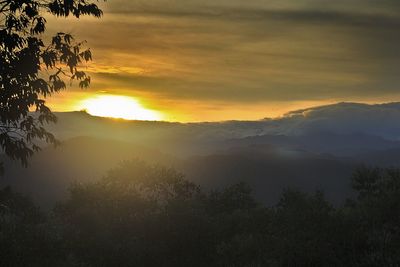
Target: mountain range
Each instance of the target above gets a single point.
(310, 149)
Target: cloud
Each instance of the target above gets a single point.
(245, 53)
(343, 118)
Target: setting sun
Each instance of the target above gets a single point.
(121, 107)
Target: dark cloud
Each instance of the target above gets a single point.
(308, 16)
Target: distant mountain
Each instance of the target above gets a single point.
(83, 159)
(342, 145)
(343, 118)
(315, 148)
(352, 127)
(270, 173)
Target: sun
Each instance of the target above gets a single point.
(120, 107)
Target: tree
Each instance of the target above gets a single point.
(305, 231)
(377, 212)
(25, 238)
(31, 70)
(145, 215)
(137, 215)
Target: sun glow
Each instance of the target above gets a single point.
(120, 107)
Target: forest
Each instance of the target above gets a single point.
(140, 214)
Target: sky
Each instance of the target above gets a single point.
(202, 60)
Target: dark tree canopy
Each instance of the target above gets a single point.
(148, 215)
(31, 70)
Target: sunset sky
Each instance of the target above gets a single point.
(200, 60)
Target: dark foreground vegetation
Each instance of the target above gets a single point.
(142, 215)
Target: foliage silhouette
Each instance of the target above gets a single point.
(31, 70)
(26, 238)
(378, 213)
(144, 215)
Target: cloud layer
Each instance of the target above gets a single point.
(215, 54)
